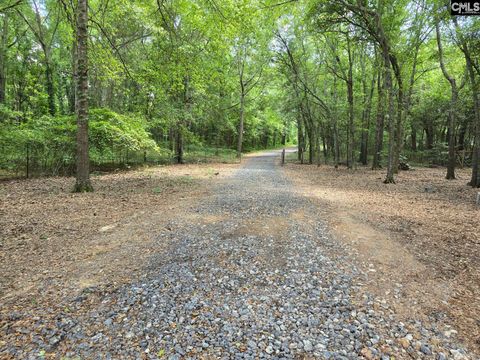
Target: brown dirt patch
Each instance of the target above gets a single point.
(267, 226)
(419, 248)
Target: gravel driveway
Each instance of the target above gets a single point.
(250, 273)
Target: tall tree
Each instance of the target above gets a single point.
(45, 35)
(473, 72)
(367, 106)
(249, 71)
(3, 55)
(380, 124)
(346, 74)
(83, 183)
(452, 111)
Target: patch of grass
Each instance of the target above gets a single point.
(173, 182)
(197, 154)
(210, 172)
(183, 180)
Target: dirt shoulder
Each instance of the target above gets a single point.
(54, 244)
(418, 240)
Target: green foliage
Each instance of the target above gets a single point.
(160, 71)
(48, 143)
(8, 115)
(111, 133)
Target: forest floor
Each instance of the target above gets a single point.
(421, 235)
(224, 261)
(54, 242)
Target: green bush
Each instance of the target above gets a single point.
(47, 144)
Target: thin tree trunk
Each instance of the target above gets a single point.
(347, 76)
(399, 121)
(50, 85)
(380, 123)
(451, 135)
(366, 121)
(183, 124)
(83, 183)
(171, 139)
(240, 126)
(391, 124)
(413, 135)
(326, 149)
(3, 54)
(179, 145)
(475, 179)
(351, 129)
(311, 144)
(243, 92)
(364, 133)
(336, 143)
(429, 138)
(405, 105)
(310, 130)
(48, 62)
(301, 139)
(451, 111)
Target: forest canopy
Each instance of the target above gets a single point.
(351, 82)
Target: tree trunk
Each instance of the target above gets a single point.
(336, 143)
(429, 138)
(72, 89)
(475, 179)
(171, 139)
(380, 123)
(325, 150)
(50, 84)
(351, 130)
(301, 139)
(83, 183)
(47, 49)
(311, 145)
(351, 114)
(391, 124)
(3, 54)
(451, 110)
(408, 101)
(240, 126)
(451, 135)
(179, 145)
(399, 121)
(310, 129)
(183, 124)
(366, 121)
(413, 137)
(347, 76)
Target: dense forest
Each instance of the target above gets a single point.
(239, 179)
(352, 82)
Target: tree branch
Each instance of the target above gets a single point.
(11, 6)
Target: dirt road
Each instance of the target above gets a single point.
(250, 272)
